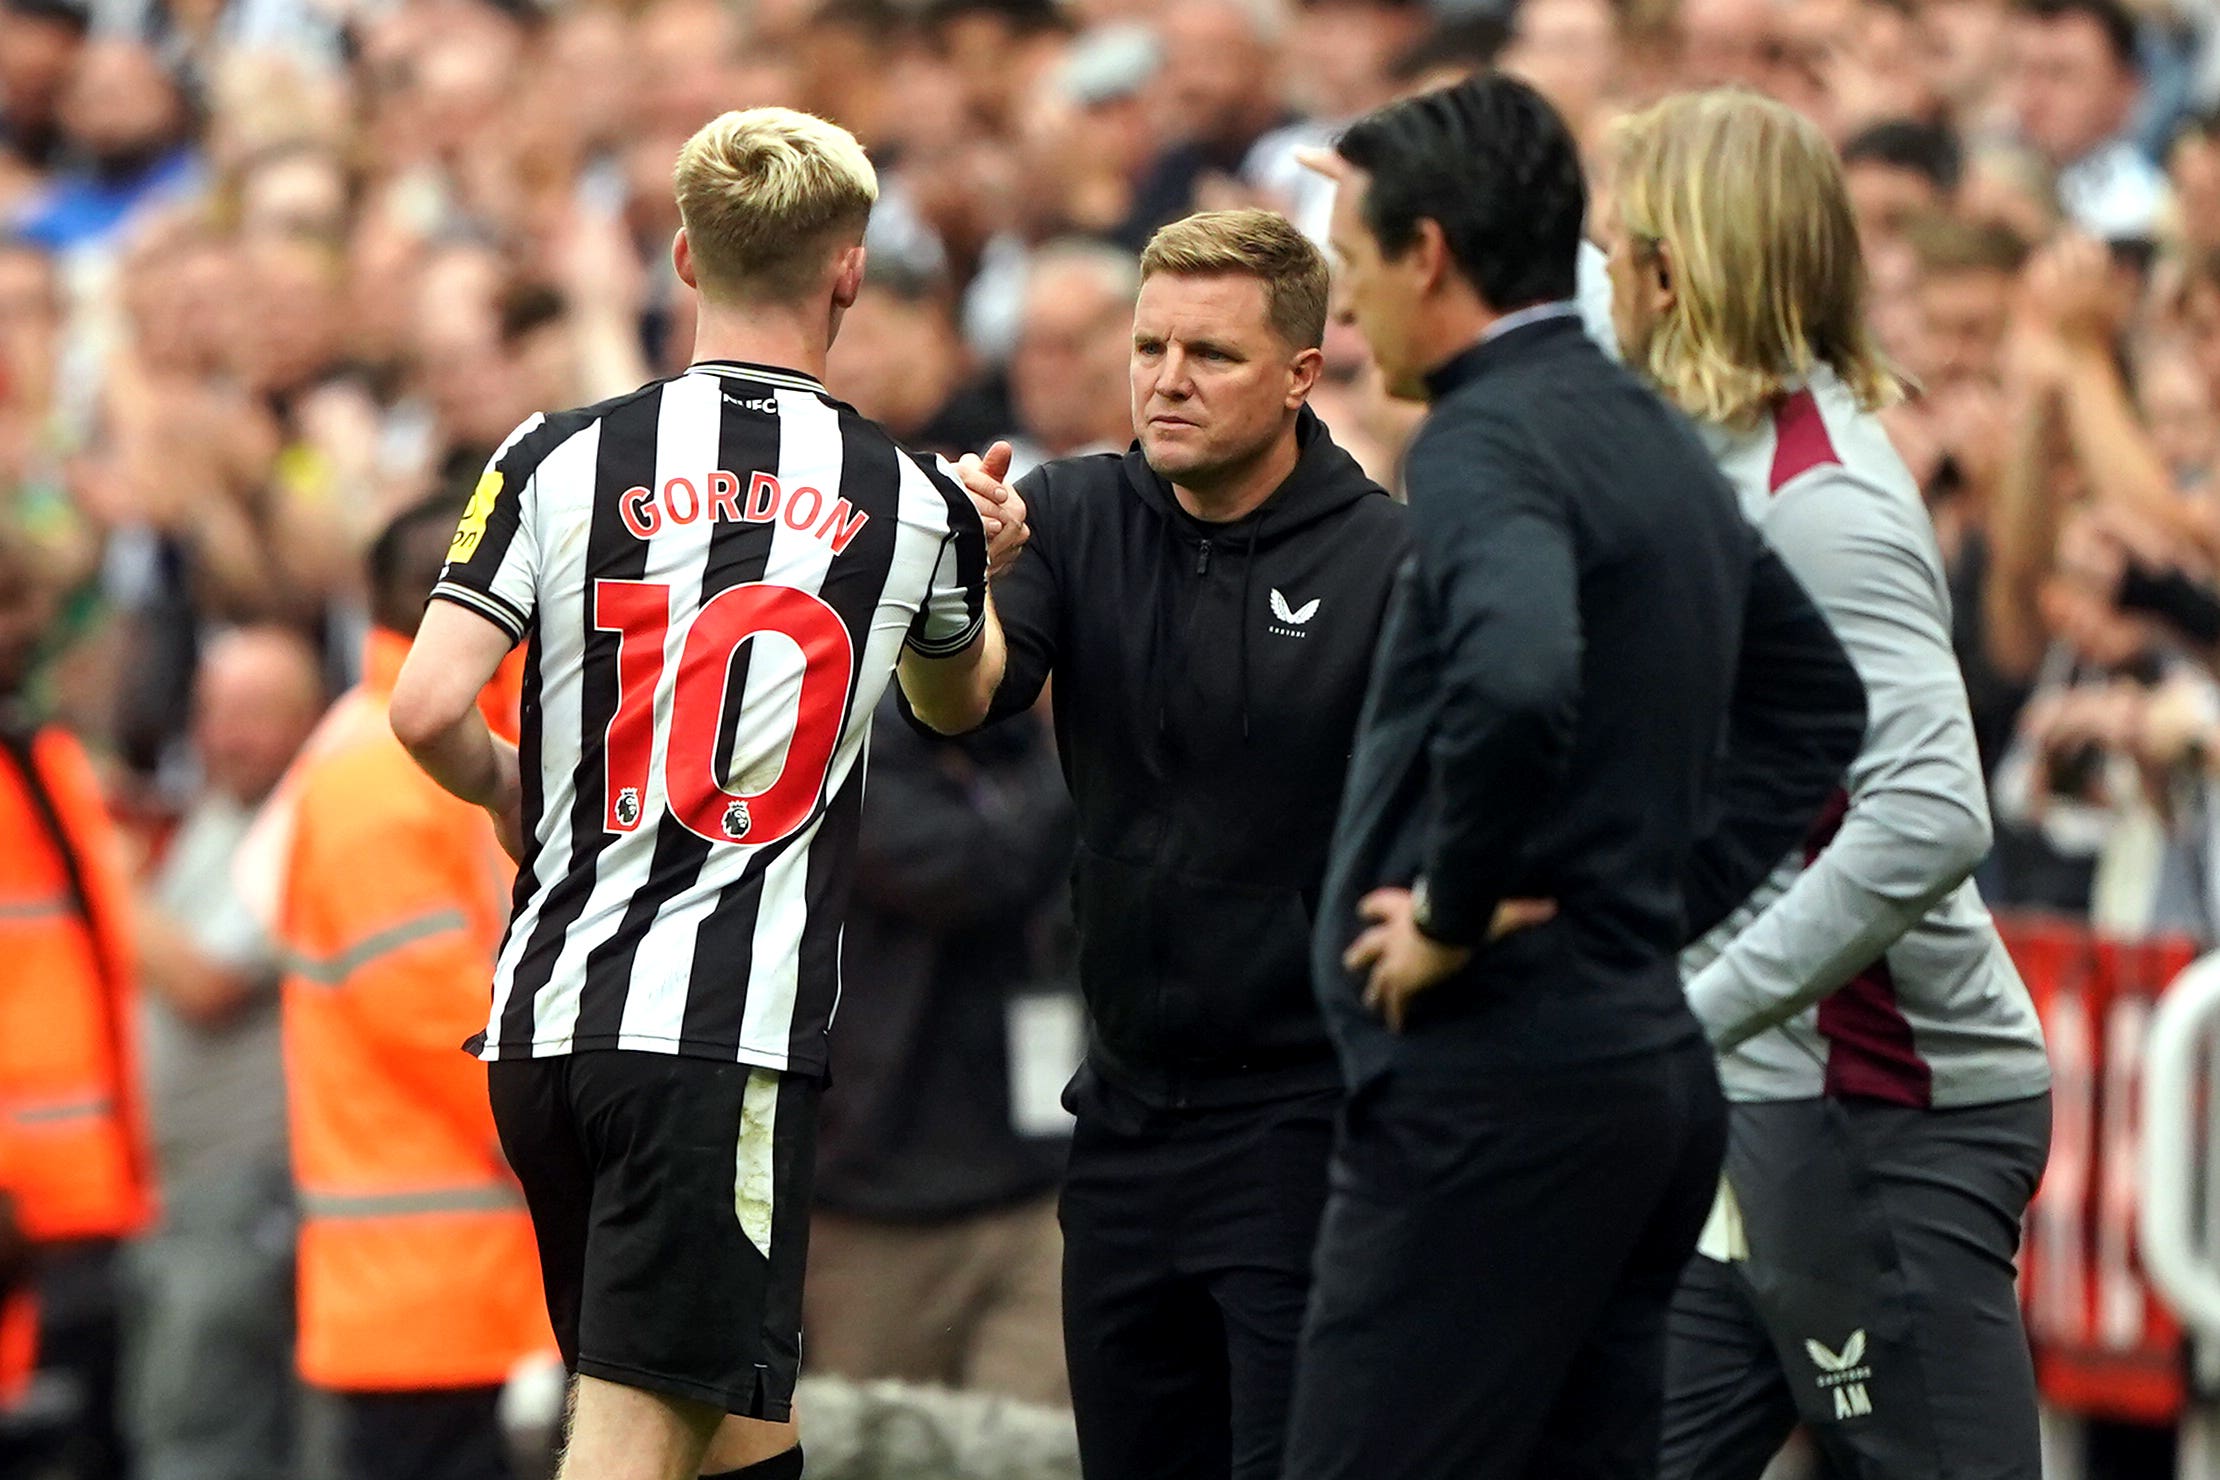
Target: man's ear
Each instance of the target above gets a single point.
(848, 282)
(1302, 375)
(682, 258)
(1428, 254)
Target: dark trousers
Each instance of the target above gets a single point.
(80, 1340)
(209, 1385)
(1494, 1271)
(1187, 1246)
(1879, 1303)
(447, 1434)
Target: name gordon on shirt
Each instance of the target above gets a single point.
(718, 496)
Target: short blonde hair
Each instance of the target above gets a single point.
(764, 193)
(1258, 244)
(1747, 198)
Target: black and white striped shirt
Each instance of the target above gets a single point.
(716, 575)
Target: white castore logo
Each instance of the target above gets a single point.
(1289, 621)
(1844, 1374)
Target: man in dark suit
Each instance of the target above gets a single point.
(1600, 712)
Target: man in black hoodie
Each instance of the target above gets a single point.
(1207, 604)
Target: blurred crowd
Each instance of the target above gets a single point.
(274, 271)
(280, 268)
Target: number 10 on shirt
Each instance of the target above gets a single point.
(639, 612)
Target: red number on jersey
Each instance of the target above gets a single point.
(640, 613)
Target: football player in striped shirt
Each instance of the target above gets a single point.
(716, 575)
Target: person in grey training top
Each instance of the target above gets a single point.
(1891, 1108)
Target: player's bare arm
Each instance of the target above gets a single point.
(435, 714)
(952, 694)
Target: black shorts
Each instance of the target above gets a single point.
(670, 1197)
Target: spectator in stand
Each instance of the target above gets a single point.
(2076, 83)
(297, 190)
(1569, 52)
(1897, 171)
(126, 121)
(1968, 49)
(211, 1364)
(1968, 278)
(2085, 496)
(41, 414)
(1448, 54)
(1218, 93)
(1373, 426)
(934, 1251)
(1068, 375)
(39, 45)
(1727, 42)
(1954, 436)
(902, 361)
(2193, 170)
(2177, 404)
(1339, 67)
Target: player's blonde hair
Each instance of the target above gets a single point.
(765, 193)
(1258, 244)
(1747, 199)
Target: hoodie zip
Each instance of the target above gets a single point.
(1155, 794)
(1186, 643)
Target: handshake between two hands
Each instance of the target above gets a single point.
(1001, 511)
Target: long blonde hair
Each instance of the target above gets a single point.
(1747, 199)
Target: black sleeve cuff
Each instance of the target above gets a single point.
(1445, 928)
(950, 646)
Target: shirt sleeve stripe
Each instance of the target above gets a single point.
(486, 604)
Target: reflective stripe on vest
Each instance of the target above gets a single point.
(333, 971)
(488, 1197)
(39, 907)
(30, 1113)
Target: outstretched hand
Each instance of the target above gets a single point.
(1001, 511)
(1404, 961)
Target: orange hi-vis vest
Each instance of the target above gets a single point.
(417, 1264)
(70, 1109)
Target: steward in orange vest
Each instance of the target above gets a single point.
(419, 1279)
(70, 1114)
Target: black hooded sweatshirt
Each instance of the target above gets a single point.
(1208, 679)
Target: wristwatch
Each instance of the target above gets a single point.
(1422, 907)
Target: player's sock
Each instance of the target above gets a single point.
(787, 1466)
